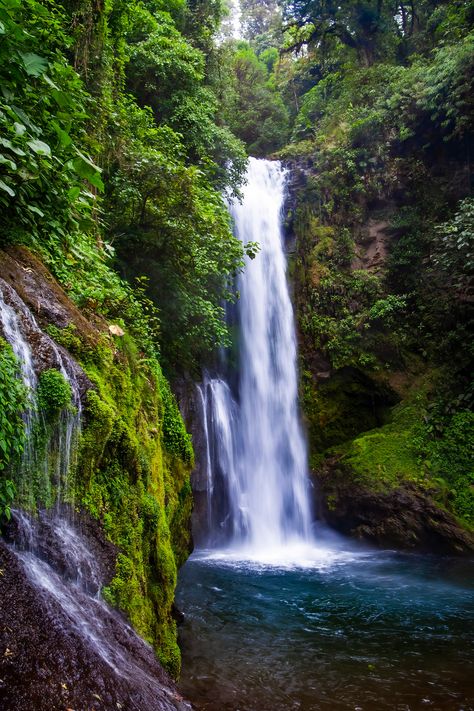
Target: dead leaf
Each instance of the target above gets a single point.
(116, 330)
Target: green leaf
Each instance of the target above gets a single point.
(73, 193)
(89, 162)
(6, 161)
(7, 188)
(34, 65)
(97, 182)
(19, 128)
(61, 98)
(49, 81)
(64, 137)
(36, 210)
(8, 144)
(86, 169)
(39, 147)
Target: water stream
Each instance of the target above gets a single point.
(49, 455)
(279, 613)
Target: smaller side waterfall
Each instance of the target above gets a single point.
(68, 431)
(224, 495)
(63, 570)
(49, 455)
(11, 329)
(57, 563)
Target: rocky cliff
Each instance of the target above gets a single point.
(389, 455)
(111, 461)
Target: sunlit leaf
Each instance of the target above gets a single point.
(6, 188)
(34, 65)
(39, 147)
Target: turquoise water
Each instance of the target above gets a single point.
(358, 630)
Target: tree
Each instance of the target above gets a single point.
(259, 17)
(257, 114)
(362, 26)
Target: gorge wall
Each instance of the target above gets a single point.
(128, 496)
(389, 449)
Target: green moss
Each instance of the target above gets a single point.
(387, 456)
(13, 399)
(409, 449)
(133, 475)
(54, 392)
(68, 337)
(99, 422)
(449, 456)
(12, 431)
(339, 408)
(175, 437)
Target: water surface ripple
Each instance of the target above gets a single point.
(359, 630)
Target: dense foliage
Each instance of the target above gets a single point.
(111, 144)
(13, 398)
(114, 160)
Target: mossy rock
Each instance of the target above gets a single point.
(339, 408)
(54, 392)
(133, 475)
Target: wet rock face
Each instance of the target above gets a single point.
(72, 543)
(37, 288)
(403, 518)
(63, 648)
(46, 353)
(191, 408)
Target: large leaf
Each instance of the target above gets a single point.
(34, 65)
(64, 137)
(88, 170)
(39, 147)
(73, 193)
(6, 161)
(15, 149)
(36, 210)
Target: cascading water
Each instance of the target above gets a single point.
(59, 448)
(21, 348)
(63, 570)
(276, 619)
(256, 443)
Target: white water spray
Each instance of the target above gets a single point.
(257, 444)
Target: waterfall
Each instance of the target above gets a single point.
(58, 565)
(258, 451)
(65, 571)
(13, 334)
(54, 459)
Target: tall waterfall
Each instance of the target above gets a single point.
(256, 448)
